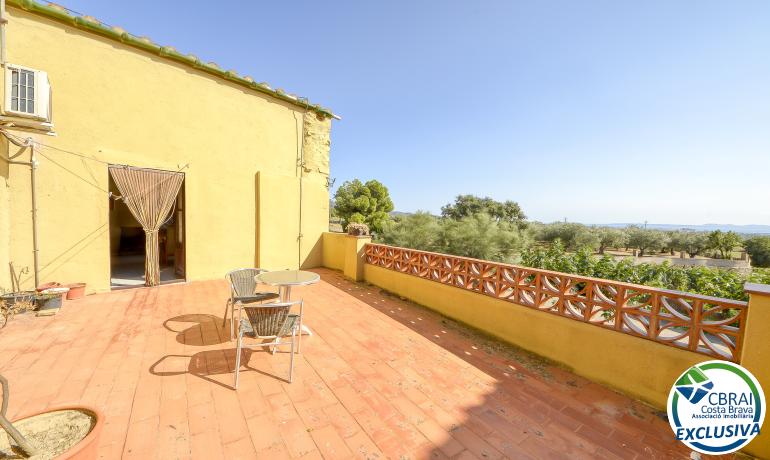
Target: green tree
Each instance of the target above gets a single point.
(609, 238)
(586, 238)
(571, 235)
(758, 248)
(693, 243)
(482, 237)
(469, 205)
(699, 279)
(644, 239)
(367, 203)
(724, 242)
(420, 230)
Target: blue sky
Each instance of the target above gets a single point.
(594, 111)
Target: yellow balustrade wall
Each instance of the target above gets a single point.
(755, 355)
(345, 253)
(245, 190)
(334, 250)
(637, 367)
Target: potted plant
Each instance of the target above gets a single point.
(17, 295)
(11, 298)
(9, 309)
(358, 229)
(77, 290)
(49, 301)
(62, 433)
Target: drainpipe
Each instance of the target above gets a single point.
(35, 247)
(299, 237)
(301, 164)
(33, 163)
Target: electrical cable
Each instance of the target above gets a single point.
(74, 173)
(87, 157)
(81, 155)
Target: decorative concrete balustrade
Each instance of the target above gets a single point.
(707, 325)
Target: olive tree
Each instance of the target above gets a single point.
(482, 237)
(644, 239)
(571, 235)
(420, 230)
(693, 243)
(724, 242)
(469, 205)
(609, 238)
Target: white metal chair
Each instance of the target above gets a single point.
(243, 291)
(268, 321)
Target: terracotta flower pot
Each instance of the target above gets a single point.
(77, 290)
(45, 286)
(86, 448)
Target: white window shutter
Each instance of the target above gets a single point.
(42, 96)
(7, 103)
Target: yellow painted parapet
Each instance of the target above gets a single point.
(755, 355)
(638, 367)
(345, 253)
(354, 256)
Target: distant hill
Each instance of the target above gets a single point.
(751, 229)
(744, 229)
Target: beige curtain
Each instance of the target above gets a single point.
(149, 195)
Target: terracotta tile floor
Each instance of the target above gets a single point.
(380, 378)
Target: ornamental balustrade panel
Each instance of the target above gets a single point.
(707, 325)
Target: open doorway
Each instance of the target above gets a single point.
(127, 244)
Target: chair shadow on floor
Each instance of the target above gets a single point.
(215, 366)
(198, 329)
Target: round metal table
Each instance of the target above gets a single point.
(285, 279)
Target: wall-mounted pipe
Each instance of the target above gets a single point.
(35, 244)
(300, 134)
(33, 163)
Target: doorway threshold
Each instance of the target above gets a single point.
(120, 286)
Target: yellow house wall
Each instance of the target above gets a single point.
(5, 219)
(278, 221)
(638, 367)
(124, 106)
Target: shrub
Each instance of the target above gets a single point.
(479, 236)
(702, 280)
(758, 248)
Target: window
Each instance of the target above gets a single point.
(27, 93)
(22, 91)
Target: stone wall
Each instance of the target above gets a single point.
(316, 145)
